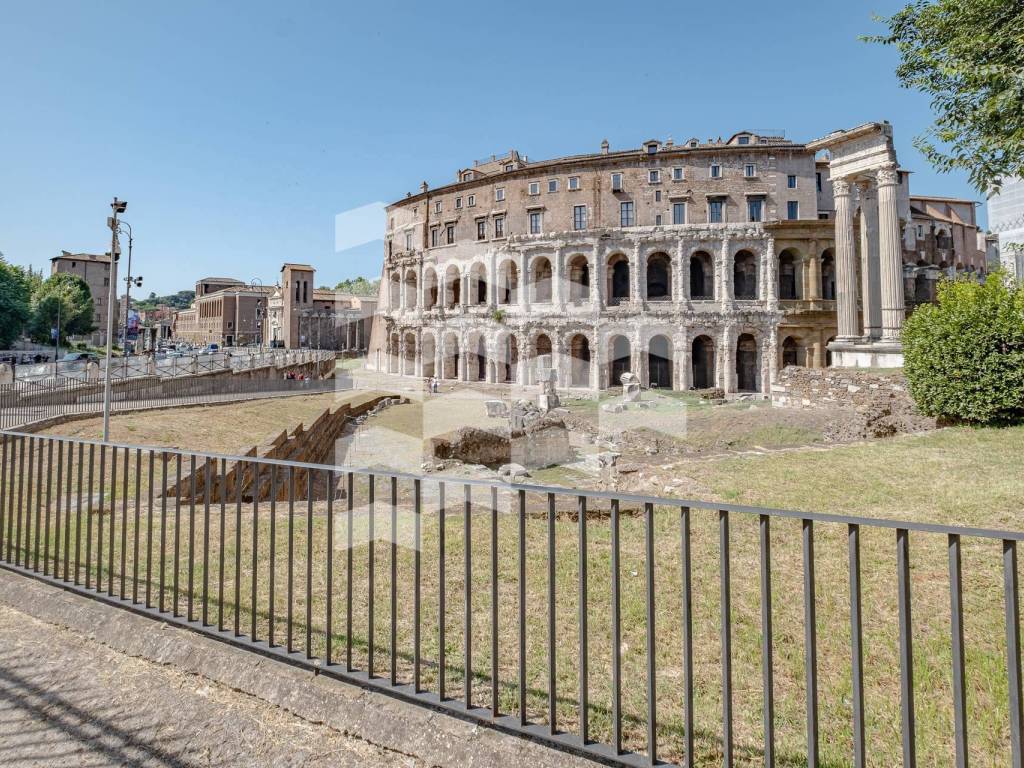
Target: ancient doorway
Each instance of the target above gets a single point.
(703, 357)
(659, 363)
(746, 363)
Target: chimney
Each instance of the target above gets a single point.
(423, 187)
(604, 147)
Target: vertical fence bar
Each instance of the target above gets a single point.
(726, 606)
(149, 532)
(767, 655)
(162, 570)
(856, 647)
(687, 605)
(467, 522)
(810, 644)
(1011, 601)
(49, 501)
(3, 489)
(179, 488)
(254, 597)
(416, 596)
(60, 529)
(88, 513)
(956, 618)
(494, 601)
(291, 559)
(191, 554)
(24, 505)
(906, 649)
(239, 482)
(616, 606)
(309, 564)
(124, 525)
(221, 551)
(350, 490)
(329, 566)
(522, 607)
(393, 640)
(552, 618)
(135, 531)
(207, 493)
(584, 686)
(272, 565)
(441, 666)
(370, 575)
(78, 512)
(652, 696)
(99, 522)
(36, 536)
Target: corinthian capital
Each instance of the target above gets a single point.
(840, 187)
(887, 176)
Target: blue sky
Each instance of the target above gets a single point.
(238, 131)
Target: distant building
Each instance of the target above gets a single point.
(1006, 221)
(224, 312)
(942, 239)
(94, 269)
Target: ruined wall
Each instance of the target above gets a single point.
(799, 387)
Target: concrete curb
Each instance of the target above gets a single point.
(432, 737)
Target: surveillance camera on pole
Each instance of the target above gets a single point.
(118, 206)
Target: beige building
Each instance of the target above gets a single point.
(701, 264)
(224, 312)
(94, 269)
(943, 239)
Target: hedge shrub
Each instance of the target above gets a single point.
(964, 356)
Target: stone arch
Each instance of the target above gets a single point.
(579, 278)
(702, 276)
(618, 279)
(744, 273)
(508, 282)
(659, 362)
(542, 279)
(619, 358)
(478, 284)
(579, 355)
(410, 289)
(748, 370)
(429, 288)
(393, 350)
(428, 350)
(659, 277)
(450, 354)
(542, 345)
(476, 357)
(452, 287)
(702, 359)
(794, 352)
(394, 290)
(828, 352)
(828, 275)
(409, 356)
(790, 274)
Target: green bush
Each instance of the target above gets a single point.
(964, 356)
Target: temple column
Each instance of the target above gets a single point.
(846, 271)
(890, 256)
(869, 266)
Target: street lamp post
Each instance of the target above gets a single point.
(118, 206)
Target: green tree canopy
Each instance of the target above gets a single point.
(72, 295)
(15, 302)
(968, 56)
(358, 286)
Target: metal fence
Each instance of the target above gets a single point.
(23, 402)
(629, 629)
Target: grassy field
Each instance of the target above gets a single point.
(957, 476)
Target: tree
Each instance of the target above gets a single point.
(964, 356)
(72, 294)
(358, 286)
(968, 56)
(15, 307)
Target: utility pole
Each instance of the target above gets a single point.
(118, 206)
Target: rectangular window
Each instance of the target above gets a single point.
(750, 170)
(678, 213)
(616, 182)
(552, 185)
(755, 209)
(744, 140)
(534, 222)
(574, 182)
(792, 210)
(499, 194)
(626, 218)
(791, 181)
(817, 177)
(499, 226)
(716, 171)
(657, 220)
(458, 203)
(657, 195)
(450, 232)
(437, 207)
(433, 237)
(579, 217)
(508, 167)
(715, 211)
(471, 201)
(677, 174)
(481, 229)
(408, 241)
(534, 187)
(654, 176)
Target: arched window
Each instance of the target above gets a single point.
(409, 358)
(579, 351)
(618, 279)
(542, 281)
(452, 287)
(450, 360)
(430, 289)
(508, 283)
(619, 355)
(703, 362)
(478, 284)
(745, 276)
(579, 278)
(659, 278)
(702, 276)
(828, 276)
(659, 362)
(410, 289)
(394, 291)
(789, 276)
(792, 354)
(427, 350)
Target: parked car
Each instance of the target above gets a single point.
(80, 357)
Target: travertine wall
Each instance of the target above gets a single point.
(799, 387)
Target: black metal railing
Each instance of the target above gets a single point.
(24, 402)
(629, 629)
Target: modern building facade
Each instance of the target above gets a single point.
(225, 311)
(94, 269)
(1006, 221)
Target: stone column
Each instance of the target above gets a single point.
(401, 291)
(870, 289)
(813, 272)
(635, 294)
(597, 281)
(681, 291)
(846, 272)
(890, 256)
(557, 279)
(682, 365)
(523, 288)
(771, 272)
(725, 297)
(772, 352)
(726, 367)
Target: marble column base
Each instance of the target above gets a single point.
(866, 354)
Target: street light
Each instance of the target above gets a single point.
(118, 206)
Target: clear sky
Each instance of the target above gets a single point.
(237, 131)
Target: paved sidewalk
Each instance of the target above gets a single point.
(67, 700)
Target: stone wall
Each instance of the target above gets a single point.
(799, 387)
